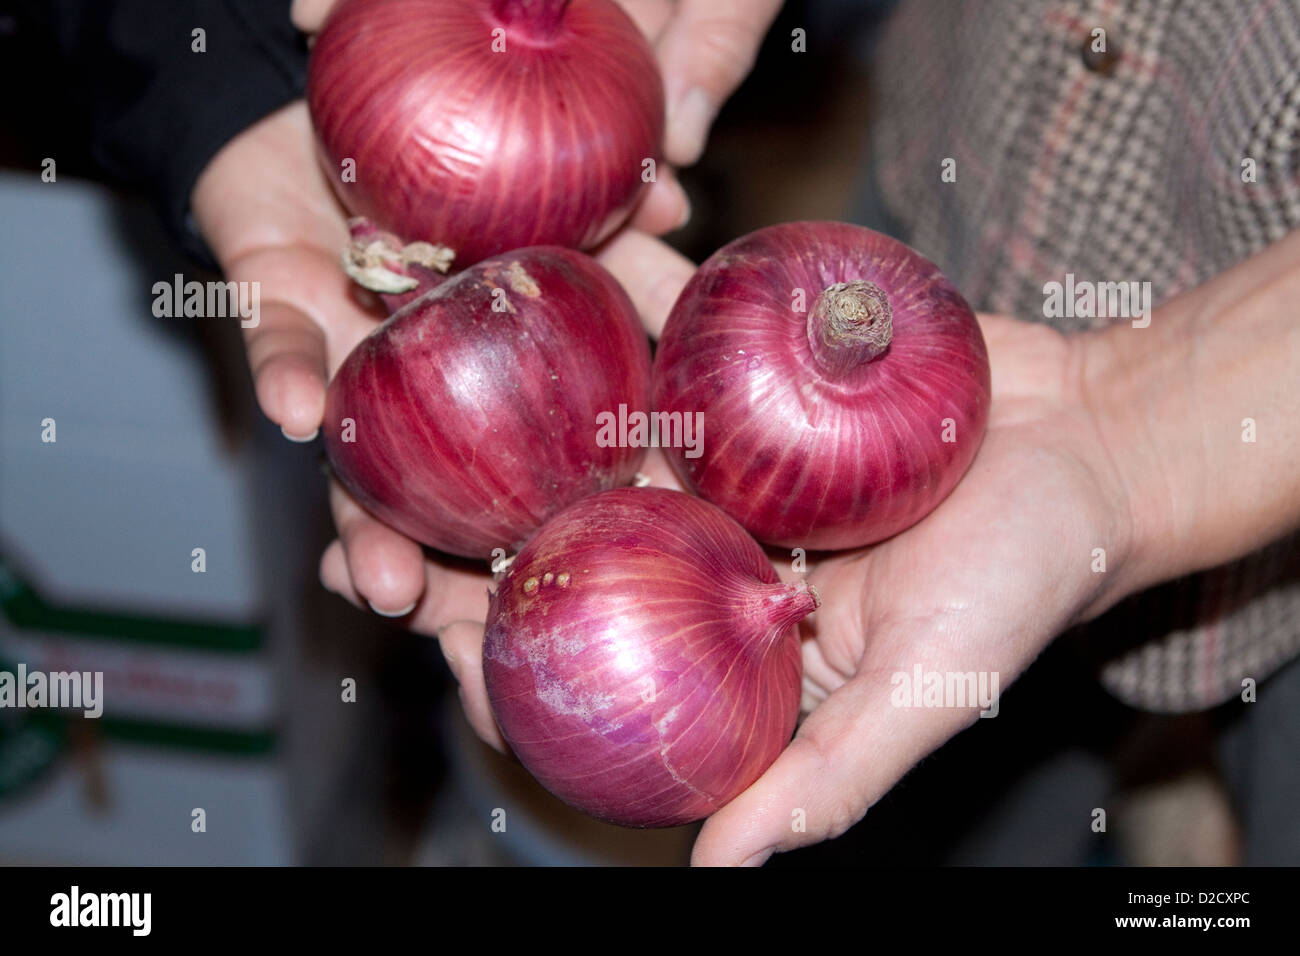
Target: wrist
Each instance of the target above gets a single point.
(1144, 483)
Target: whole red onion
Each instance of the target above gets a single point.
(468, 417)
(842, 381)
(487, 125)
(642, 657)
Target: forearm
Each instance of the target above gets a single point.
(1177, 403)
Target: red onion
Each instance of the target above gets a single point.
(842, 381)
(474, 405)
(487, 125)
(642, 657)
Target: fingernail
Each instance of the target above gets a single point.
(758, 859)
(303, 440)
(402, 613)
(690, 120)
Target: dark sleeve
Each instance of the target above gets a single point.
(148, 109)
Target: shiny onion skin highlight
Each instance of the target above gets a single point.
(487, 125)
(642, 658)
(843, 382)
(473, 407)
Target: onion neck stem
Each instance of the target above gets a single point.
(774, 608)
(541, 18)
(850, 324)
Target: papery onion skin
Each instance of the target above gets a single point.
(481, 151)
(807, 445)
(473, 425)
(642, 657)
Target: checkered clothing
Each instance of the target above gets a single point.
(1114, 166)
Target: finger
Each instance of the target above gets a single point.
(462, 646)
(1025, 359)
(385, 567)
(307, 324)
(452, 592)
(705, 52)
(811, 696)
(821, 678)
(664, 207)
(652, 273)
(848, 753)
(833, 652)
(650, 16)
(334, 575)
(287, 357)
(309, 15)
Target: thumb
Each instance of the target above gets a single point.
(650, 270)
(848, 754)
(705, 52)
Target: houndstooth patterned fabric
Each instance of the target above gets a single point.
(1120, 166)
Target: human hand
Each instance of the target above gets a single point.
(269, 215)
(982, 584)
(1126, 438)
